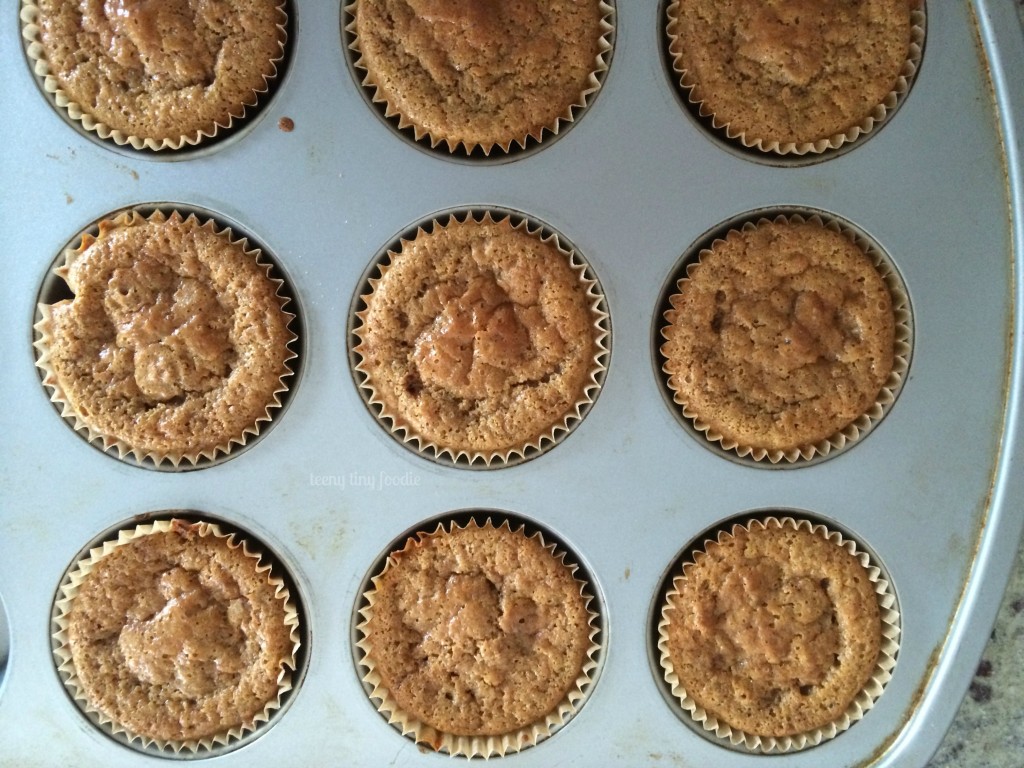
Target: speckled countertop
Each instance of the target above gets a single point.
(988, 731)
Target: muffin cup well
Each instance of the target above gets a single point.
(460, 452)
(475, 745)
(64, 652)
(513, 139)
(202, 133)
(82, 421)
(714, 726)
(690, 87)
(848, 434)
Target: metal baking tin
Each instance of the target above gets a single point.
(930, 491)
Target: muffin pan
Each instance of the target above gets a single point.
(319, 180)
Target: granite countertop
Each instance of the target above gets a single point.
(987, 731)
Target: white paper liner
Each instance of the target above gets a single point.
(476, 746)
(569, 115)
(864, 423)
(690, 84)
(865, 699)
(64, 658)
(124, 450)
(63, 101)
(401, 430)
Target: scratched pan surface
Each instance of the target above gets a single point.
(930, 491)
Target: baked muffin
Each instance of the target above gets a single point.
(481, 339)
(776, 634)
(480, 73)
(156, 74)
(175, 344)
(795, 77)
(477, 639)
(780, 341)
(176, 634)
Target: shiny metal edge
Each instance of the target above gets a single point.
(1000, 535)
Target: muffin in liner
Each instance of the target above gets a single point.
(778, 635)
(477, 640)
(176, 344)
(788, 339)
(480, 76)
(482, 340)
(795, 78)
(156, 76)
(175, 635)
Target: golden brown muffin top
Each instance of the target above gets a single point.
(175, 342)
(477, 631)
(773, 630)
(162, 69)
(790, 70)
(479, 72)
(179, 635)
(781, 335)
(479, 336)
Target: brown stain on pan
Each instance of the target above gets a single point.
(915, 700)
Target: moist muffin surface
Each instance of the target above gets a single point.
(773, 630)
(479, 72)
(477, 631)
(478, 336)
(781, 335)
(162, 70)
(179, 636)
(790, 71)
(175, 342)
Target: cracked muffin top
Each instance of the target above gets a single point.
(780, 336)
(773, 629)
(165, 71)
(479, 337)
(175, 342)
(479, 72)
(790, 71)
(179, 634)
(477, 631)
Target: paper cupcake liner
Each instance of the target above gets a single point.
(64, 655)
(80, 114)
(476, 746)
(512, 143)
(402, 431)
(857, 708)
(865, 422)
(690, 85)
(82, 424)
